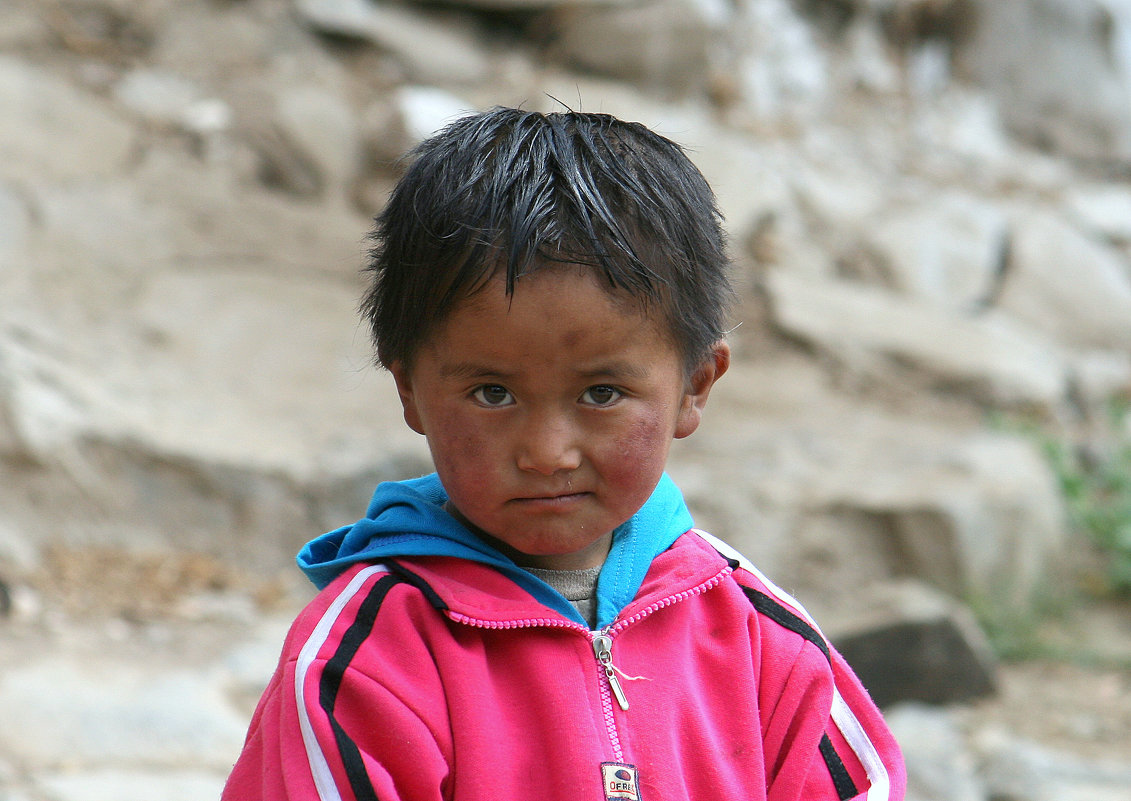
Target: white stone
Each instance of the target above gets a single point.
(157, 95)
(15, 222)
(945, 249)
(323, 125)
(940, 766)
(115, 712)
(432, 49)
(782, 71)
(1071, 287)
(664, 44)
(837, 493)
(1078, 44)
(1104, 209)
(1019, 768)
(1100, 375)
(988, 352)
(53, 131)
(139, 784)
(426, 109)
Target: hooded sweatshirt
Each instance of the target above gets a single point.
(431, 666)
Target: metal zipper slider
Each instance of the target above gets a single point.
(602, 647)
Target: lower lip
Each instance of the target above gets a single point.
(552, 502)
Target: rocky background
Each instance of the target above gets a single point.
(922, 436)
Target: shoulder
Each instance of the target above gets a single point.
(347, 608)
(857, 747)
(765, 598)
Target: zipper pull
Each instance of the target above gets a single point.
(602, 647)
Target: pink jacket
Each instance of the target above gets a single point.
(438, 678)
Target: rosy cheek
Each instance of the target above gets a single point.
(641, 450)
(459, 450)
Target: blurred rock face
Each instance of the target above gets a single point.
(930, 230)
(186, 190)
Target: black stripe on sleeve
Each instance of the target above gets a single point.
(333, 674)
(785, 618)
(430, 594)
(845, 787)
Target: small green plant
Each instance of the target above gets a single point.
(1096, 484)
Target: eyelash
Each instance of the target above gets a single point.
(616, 393)
(479, 395)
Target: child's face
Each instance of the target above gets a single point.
(549, 413)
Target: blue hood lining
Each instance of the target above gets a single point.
(407, 518)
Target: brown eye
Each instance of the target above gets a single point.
(493, 395)
(601, 395)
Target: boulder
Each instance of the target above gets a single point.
(1076, 43)
(169, 100)
(661, 44)
(780, 69)
(105, 712)
(940, 764)
(1103, 210)
(433, 49)
(1065, 284)
(1018, 768)
(828, 494)
(982, 519)
(989, 355)
(946, 250)
(55, 131)
(137, 784)
(325, 130)
(908, 642)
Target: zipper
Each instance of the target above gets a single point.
(602, 647)
(602, 642)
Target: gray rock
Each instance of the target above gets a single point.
(908, 642)
(112, 713)
(946, 250)
(662, 44)
(167, 99)
(433, 49)
(835, 495)
(393, 126)
(1017, 769)
(940, 764)
(325, 128)
(1069, 286)
(15, 223)
(780, 69)
(1078, 43)
(53, 131)
(137, 784)
(1103, 209)
(989, 354)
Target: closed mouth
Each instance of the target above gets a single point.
(563, 497)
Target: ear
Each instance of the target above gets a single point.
(403, 379)
(709, 371)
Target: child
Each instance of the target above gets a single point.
(539, 619)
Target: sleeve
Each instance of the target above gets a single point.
(825, 740)
(860, 754)
(327, 727)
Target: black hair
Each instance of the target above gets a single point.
(506, 192)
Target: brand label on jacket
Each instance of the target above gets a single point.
(620, 781)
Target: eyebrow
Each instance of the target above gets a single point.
(471, 370)
(614, 370)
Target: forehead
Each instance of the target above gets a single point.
(563, 311)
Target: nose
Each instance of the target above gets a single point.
(549, 443)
